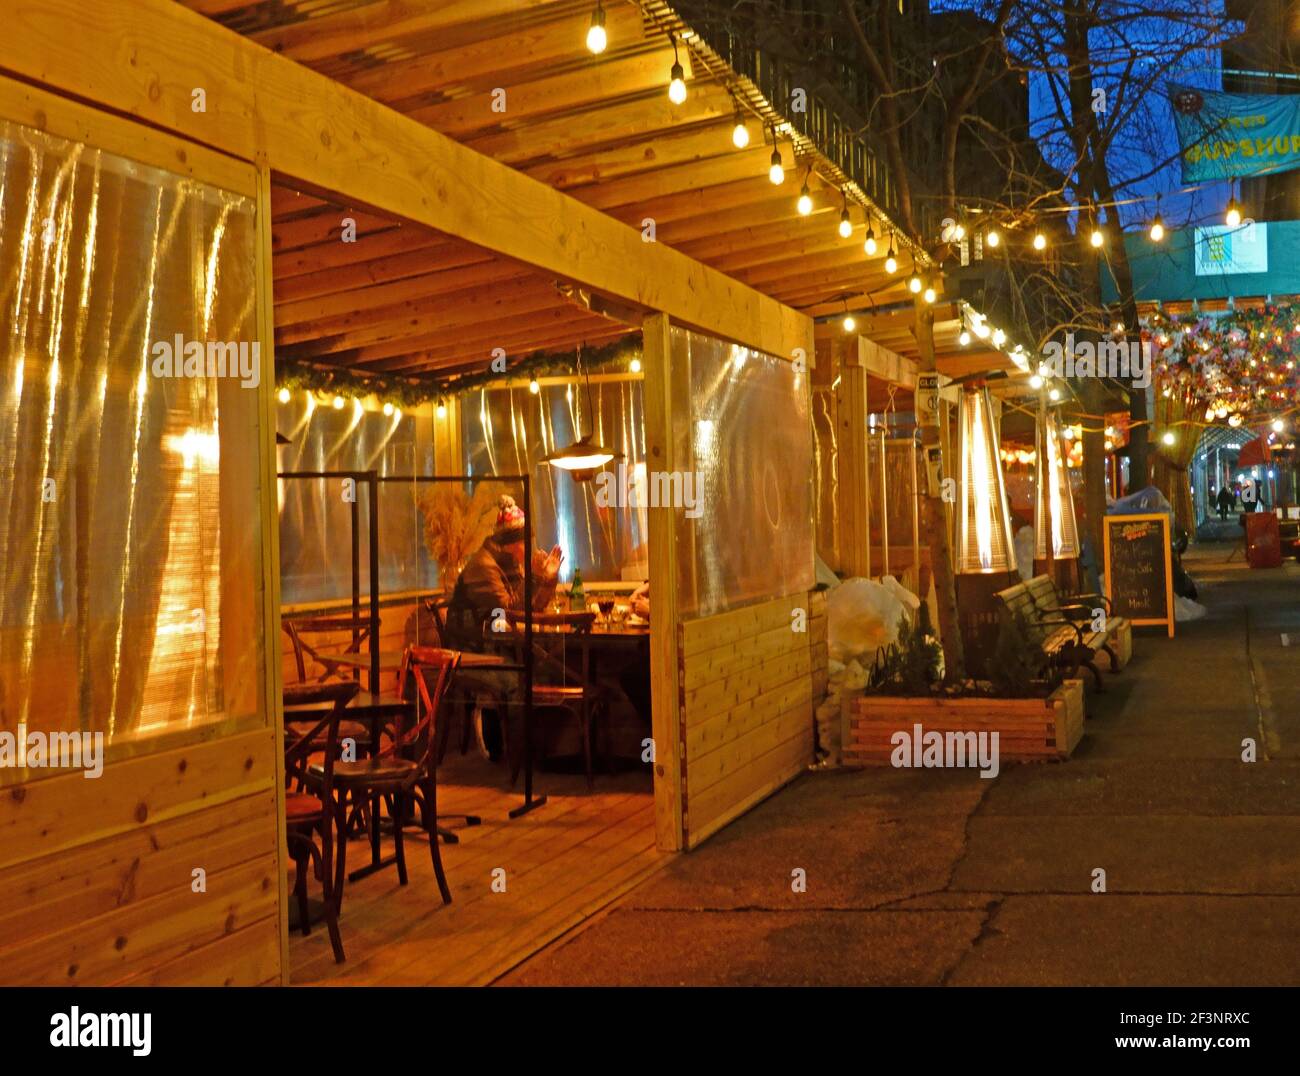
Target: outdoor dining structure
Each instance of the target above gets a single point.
(414, 504)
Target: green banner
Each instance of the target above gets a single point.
(1235, 134)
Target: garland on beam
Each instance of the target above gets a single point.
(409, 392)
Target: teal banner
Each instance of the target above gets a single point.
(1235, 134)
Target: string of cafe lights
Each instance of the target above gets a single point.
(597, 41)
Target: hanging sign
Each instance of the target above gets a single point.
(1139, 568)
(927, 399)
(1222, 249)
(1235, 134)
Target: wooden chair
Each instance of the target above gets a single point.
(299, 629)
(562, 691)
(391, 775)
(317, 811)
(471, 692)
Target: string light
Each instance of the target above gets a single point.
(999, 338)
(914, 285)
(283, 395)
(1036, 382)
(849, 323)
(1157, 231)
(776, 173)
(992, 238)
(534, 386)
(869, 244)
(891, 262)
(388, 409)
(1232, 217)
(929, 294)
(846, 223)
(635, 366)
(677, 77)
(1040, 241)
(740, 133)
(441, 410)
(964, 338)
(1097, 237)
(1054, 395)
(1278, 425)
(1168, 437)
(804, 205)
(338, 403)
(596, 37)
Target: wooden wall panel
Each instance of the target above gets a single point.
(746, 711)
(109, 862)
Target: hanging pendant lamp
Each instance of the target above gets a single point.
(584, 457)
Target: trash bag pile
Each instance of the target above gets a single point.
(861, 616)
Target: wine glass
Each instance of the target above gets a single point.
(605, 603)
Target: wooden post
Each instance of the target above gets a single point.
(935, 519)
(665, 669)
(270, 512)
(853, 496)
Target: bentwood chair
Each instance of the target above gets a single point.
(316, 812)
(301, 631)
(392, 775)
(558, 688)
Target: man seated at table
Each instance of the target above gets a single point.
(493, 579)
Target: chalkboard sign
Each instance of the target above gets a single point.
(1139, 568)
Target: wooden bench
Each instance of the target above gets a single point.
(1066, 639)
(1084, 606)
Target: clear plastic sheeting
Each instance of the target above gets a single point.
(130, 535)
(743, 443)
(316, 520)
(509, 430)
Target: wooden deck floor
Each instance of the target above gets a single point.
(562, 863)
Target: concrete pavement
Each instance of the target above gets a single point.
(940, 877)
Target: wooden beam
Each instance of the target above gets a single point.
(665, 656)
(144, 59)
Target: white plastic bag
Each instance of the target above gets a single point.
(861, 616)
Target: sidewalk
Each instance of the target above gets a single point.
(940, 877)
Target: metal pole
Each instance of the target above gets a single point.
(884, 504)
(356, 570)
(529, 803)
(372, 482)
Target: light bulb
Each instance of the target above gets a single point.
(677, 84)
(891, 263)
(914, 285)
(1278, 425)
(849, 323)
(1054, 395)
(1040, 241)
(338, 403)
(929, 295)
(958, 232)
(981, 329)
(964, 338)
(283, 395)
(596, 37)
(1233, 216)
(776, 173)
(1168, 437)
(846, 225)
(1096, 239)
(635, 366)
(1157, 232)
(740, 134)
(999, 338)
(992, 237)
(869, 244)
(533, 386)
(388, 409)
(804, 205)
(441, 409)
(1035, 382)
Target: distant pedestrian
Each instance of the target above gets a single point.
(1225, 502)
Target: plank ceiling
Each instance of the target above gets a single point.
(600, 128)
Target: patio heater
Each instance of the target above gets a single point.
(1054, 510)
(986, 559)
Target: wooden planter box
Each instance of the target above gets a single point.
(1029, 730)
